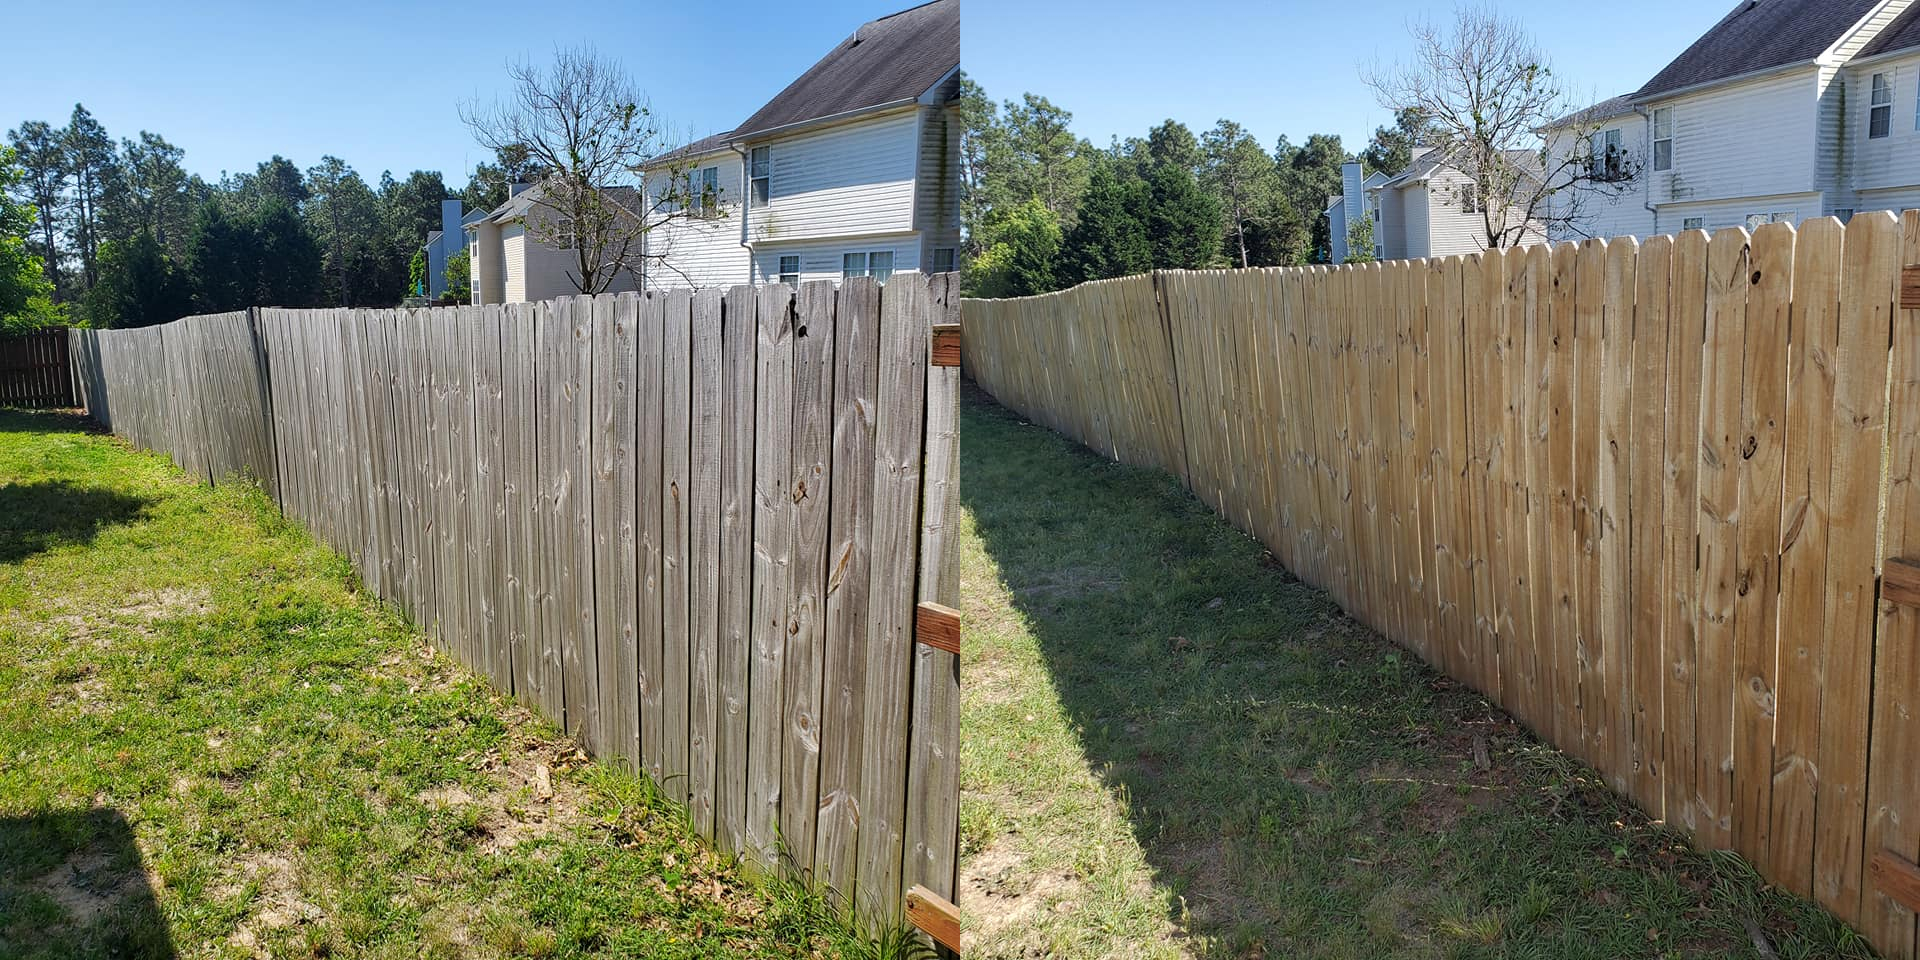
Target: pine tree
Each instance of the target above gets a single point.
(1110, 237)
(1183, 221)
(138, 285)
(91, 162)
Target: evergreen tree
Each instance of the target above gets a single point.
(1183, 221)
(1247, 183)
(344, 216)
(25, 291)
(93, 167)
(221, 261)
(1020, 261)
(1172, 143)
(41, 153)
(288, 258)
(1110, 237)
(138, 285)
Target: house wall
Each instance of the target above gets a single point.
(852, 179)
(1894, 160)
(701, 253)
(488, 257)
(1416, 199)
(1337, 232)
(513, 263)
(821, 259)
(1392, 229)
(1733, 213)
(1743, 140)
(936, 197)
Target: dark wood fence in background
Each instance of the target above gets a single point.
(703, 531)
(34, 370)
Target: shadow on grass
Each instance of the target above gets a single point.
(1300, 786)
(43, 514)
(72, 884)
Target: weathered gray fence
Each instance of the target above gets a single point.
(697, 529)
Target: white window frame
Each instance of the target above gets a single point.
(868, 265)
(1880, 108)
(760, 175)
(1693, 223)
(703, 192)
(847, 269)
(1662, 139)
(789, 277)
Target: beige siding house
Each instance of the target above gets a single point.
(852, 170)
(509, 263)
(1784, 111)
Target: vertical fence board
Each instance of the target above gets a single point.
(676, 410)
(773, 525)
(707, 451)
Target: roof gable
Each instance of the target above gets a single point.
(1759, 35)
(889, 60)
(1901, 34)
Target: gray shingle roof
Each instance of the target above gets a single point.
(1605, 110)
(887, 60)
(1759, 35)
(699, 147)
(1902, 33)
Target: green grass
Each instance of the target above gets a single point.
(1174, 748)
(212, 745)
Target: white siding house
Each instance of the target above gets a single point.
(852, 170)
(1786, 110)
(1425, 210)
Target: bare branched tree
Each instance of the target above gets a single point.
(1500, 116)
(584, 120)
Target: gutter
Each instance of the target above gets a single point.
(1647, 114)
(746, 199)
(798, 125)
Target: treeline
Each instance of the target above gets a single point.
(1044, 209)
(120, 234)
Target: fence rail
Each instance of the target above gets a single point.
(1641, 495)
(35, 371)
(693, 528)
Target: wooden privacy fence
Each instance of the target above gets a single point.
(34, 370)
(1643, 495)
(698, 529)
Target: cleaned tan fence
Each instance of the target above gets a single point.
(1643, 495)
(696, 529)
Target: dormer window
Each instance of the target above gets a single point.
(760, 176)
(1880, 108)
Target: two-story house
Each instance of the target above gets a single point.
(1429, 209)
(1785, 110)
(852, 170)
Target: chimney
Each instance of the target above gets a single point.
(450, 215)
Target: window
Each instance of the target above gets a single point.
(943, 259)
(761, 175)
(1694, 223)
(1469, 198)
(1663, 138)
(877, 264)
(1609, 158)
(1843, 214)
(563, 234)
(790, 270)
(1785, 216)
(1880, 108)
(1756, 220)
(703, 189)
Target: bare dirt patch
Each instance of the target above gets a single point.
(88, 885)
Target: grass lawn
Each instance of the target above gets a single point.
(211, 744)
(1174, 748)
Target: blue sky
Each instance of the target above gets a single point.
(1289, 67)
(377, 84)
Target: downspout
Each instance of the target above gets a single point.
(746, 200)
(1647, 115)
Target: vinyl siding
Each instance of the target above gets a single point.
(1733, 213)
(846, 180)
(1869, 28)
(1393, 223)
(1830, 144)
(513, 255)
(1903, 198)
(1416, 200)
(1742, 140)
(821, 259)
(701, 253)
(936, 198)
(1894, 160)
